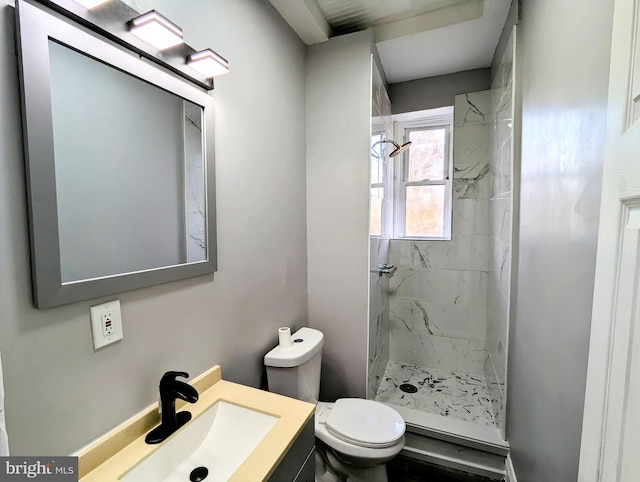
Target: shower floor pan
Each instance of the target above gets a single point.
(450, 406)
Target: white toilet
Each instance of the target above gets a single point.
(354, 437)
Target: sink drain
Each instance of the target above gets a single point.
(198, 474)
(408, 388)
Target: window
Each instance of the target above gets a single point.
(423, 180)
(378, 177)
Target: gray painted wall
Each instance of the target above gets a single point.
(512, 18)
(565, 66)
(438, 91)
(338, 146)
(60, 394)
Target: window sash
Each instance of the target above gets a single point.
(445, 161)
(401, 184)
(380, 149)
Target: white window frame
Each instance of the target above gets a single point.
(382, 148)
(402, 130)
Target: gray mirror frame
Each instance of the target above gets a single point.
(36, 25)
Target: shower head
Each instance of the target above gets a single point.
(399, 149)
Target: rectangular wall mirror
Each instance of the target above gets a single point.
(119, 165)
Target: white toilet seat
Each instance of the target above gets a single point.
(365, 423)
(376, 444)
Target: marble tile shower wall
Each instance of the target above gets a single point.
(378, 317)
(438, 305)
(379, 253)
(500, 241)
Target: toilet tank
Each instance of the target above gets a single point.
(295, 371)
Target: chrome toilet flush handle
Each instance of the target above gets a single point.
(384, 268)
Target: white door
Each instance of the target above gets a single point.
(610, 449)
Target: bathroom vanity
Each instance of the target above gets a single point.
(275, 432)
(298, 464)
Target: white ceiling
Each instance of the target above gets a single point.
(415, 38)
(351, 15)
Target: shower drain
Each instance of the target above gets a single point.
(408, 388)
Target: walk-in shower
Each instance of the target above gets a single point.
(438, 327)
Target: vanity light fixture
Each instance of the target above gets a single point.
(208, 63)
(156, 30)
(148, 35)
(89, 4)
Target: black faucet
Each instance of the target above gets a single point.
(170, 390)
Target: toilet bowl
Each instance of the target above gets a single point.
(354, 437)
(357, 438)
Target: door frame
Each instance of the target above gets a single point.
(609, 359)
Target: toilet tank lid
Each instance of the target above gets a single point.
(310, 342)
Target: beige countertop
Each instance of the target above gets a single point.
(116, 453)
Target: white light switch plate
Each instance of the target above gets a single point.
(106, 321)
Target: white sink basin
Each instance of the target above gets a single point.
(220, 439)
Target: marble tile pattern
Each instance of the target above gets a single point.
(472, 176)
(441, 352)
(447, 286)
(470, 217)
(496, 393)
(500, 238)
(194, 184)
(463, 252)
(378, 317)
(465, 321)
(438, 301)
(449, 394)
